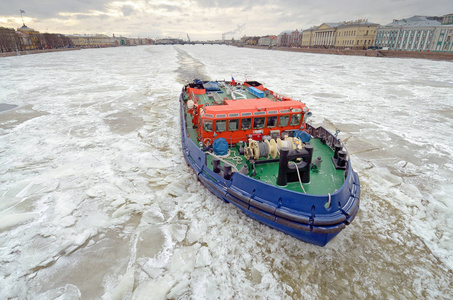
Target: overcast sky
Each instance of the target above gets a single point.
(204, 19)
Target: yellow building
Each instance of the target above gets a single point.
(325, 35)
(307, 36)
(29, 38)
(92, 40)
(358, 34)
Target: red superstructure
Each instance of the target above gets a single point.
(258, 113)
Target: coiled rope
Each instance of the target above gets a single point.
(235, 159)
(264, 149)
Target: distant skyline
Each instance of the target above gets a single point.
(204, 19)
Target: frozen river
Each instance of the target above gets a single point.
(96, 201)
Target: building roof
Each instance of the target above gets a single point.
(25, 28)
(415, 21)
(286, 32)
(357, 23)
(333, 25)
(311, 28)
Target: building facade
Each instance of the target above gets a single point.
(284, 39)
(29, 39)
(325, 35)
(412, 34)
(8, 40)
(307, 37)
(443, 35)
(442, 39)
(358, 34)
(269, 41)
(296, 38)
(92, 40)
(447, 20)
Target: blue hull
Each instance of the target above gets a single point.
(302, 216)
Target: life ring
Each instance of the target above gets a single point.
(207, 142)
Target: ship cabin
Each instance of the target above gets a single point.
(243, 111)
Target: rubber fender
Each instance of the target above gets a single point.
(351, 217)
(236, 201)
(293, 217)
(263, 206)
(326, 220)
(292, 224)
(261, 213)
(352, 208)
(238, 195)
(329, 229)
(207, 182)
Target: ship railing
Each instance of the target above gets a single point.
(327, 137)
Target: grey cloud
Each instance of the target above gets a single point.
(50, 8)
(127, 10)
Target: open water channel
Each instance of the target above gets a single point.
(96, 201)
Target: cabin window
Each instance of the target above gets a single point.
(284, 120)
(246, 123)
(295, 119)
(272, 121)
(258, 123)
(233, 124)
(207, 125)
(220, 125)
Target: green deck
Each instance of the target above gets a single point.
(325, 180)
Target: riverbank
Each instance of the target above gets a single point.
(27, 52)
(373, 53)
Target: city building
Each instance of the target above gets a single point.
(290, 38)
(447, 19)
(92, 40)
(284, 39)
(442, 39)
(296, 38)
(358, 34)
(269, 41)
(443, 35)
(8, 40)
(29, 39)
(411, 34)
(325, 35)
(252, 41)
(307, 37)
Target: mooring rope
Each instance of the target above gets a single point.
(298, 175)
